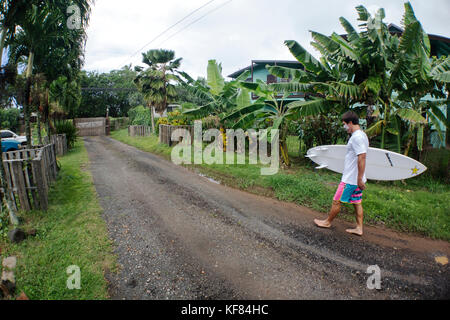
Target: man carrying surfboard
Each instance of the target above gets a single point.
(353, 177)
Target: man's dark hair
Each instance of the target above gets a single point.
(350, 116)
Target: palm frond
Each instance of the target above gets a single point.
(309, 108)
(215, 79)
(375, 129)
(304, 57)
(411, 115)
(436, 123)
(420, 138)
(292, 87)
(243, 111)
(351, 32)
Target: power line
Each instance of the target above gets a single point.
(171, 27)
(209, 12)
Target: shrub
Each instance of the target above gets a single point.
(67, 127)
(4, 220)
(176, 118)
(140, 116)
(9, 119)
(321, 130)
(437, 161)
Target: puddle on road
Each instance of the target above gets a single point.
(210, 179)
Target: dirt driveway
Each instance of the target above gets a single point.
(180, 236)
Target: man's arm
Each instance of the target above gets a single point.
(361, 170)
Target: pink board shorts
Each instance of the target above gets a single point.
(348, 193)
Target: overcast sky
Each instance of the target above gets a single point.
(235, 33)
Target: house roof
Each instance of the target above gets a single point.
(393, 28)
(265, 62)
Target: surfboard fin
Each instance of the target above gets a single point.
(311, 156)
(322, 167)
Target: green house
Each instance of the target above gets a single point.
(258, 70)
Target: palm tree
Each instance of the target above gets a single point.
(42, 32)
(12, 13)
(156, 82)
(43, 38)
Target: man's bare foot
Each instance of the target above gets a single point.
(322, 223)
(356, 231)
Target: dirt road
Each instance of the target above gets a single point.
(180, 236)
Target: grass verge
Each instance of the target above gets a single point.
(71, 232)
(420, 206)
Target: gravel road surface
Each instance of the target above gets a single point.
(179, 235)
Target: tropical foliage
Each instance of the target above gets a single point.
(139, 116)
(114, 90)
(156, 82)
(9, 118)
(385, 75)
(219, 97)
(40, 42)
(67, 127)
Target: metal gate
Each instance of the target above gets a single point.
(90, 126)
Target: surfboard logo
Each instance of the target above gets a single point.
(389, 158)
(415, 170)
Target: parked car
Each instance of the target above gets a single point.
(8, 135)
(10, 145)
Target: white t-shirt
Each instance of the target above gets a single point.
(357, 144)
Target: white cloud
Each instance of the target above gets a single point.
(235, 34)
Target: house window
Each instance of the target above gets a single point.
(271, 79)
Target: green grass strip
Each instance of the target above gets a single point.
(71, 232)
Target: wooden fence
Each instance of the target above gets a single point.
(165, 133)
(90, 126)
(119, 123)
(139, 131)
(60, 142)
(29, 174)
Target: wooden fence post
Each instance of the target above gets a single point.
(39, 182)
(19, 184)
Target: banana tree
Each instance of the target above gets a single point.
(371, 68)
(221, 97)
(270, 108)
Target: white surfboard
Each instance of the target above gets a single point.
(380, 164)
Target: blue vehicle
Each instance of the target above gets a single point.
(10, 145)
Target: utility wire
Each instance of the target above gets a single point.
(209, 12)
(169, 28)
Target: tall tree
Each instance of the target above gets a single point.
(51, 47)
(157, 81)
